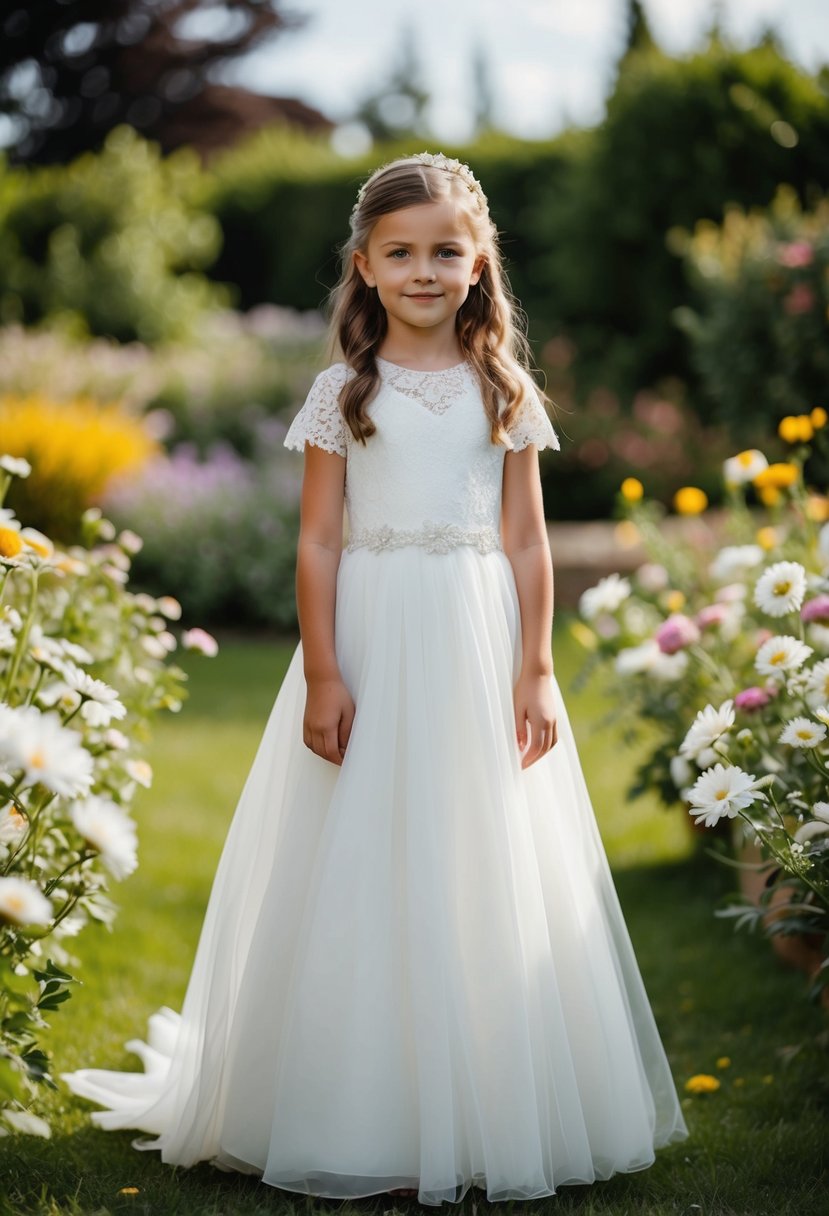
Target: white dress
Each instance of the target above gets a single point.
(414, 969)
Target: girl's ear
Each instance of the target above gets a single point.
(477, 269)
(361, 262)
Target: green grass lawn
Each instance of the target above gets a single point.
(757, 1146)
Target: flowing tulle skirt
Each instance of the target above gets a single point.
(414, 969)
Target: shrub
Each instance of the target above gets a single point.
(74, 448)
(116, 242)
(220, 532)
(759, 337)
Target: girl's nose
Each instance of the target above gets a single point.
(424, 273)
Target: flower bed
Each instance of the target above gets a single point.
(84, 667)
(718, 654)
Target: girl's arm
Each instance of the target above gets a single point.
(329, 709)
(524, 537)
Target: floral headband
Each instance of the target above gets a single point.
(438, 161)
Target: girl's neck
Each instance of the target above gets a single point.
(421, 357)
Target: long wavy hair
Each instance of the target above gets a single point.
(490, 324)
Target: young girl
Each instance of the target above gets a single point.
(414, 972)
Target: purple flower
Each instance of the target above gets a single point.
(816, 609)
(676, 633)
(752, 698)
(711, 614)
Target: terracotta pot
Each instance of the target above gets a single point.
(805, 951)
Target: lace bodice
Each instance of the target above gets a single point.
(429, 475)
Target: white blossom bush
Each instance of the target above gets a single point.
(716, 652)
(85, 665)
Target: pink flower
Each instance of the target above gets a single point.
(752, 698)
(200, 641)
(816, 609)
(676, 633)
(795, 254)
(711, 614)
(800, 299)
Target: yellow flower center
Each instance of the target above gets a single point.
(804, 733)
(777, 657)
(10, 543)
(37, 760)
(721, 794)
(783, 587)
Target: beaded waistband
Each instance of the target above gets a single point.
(434, 538)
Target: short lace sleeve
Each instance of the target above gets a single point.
(532, 425)
(320, 421)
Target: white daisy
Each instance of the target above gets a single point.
(110, 831)
(709, 725)
(96, 713)
(170, 607)
(9, 520)
(631, 660)
(681, 772)
(803, 732)
(811, 829)
(606, 596)
(16, 465)
(48, 753)
(744, 467)
(22, 903)
(734, 560)
(781, 653)
(140, 771)
(817, 685)
(781, 588)
(819, 635)
(652, 577)
(721, 792)
(13, 825)
(204, 643)
(669, 666)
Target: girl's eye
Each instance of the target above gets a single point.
(453, 253)
(395, 252)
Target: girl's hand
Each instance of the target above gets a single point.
(534, 705)
(329, 713)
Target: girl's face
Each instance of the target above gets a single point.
(422, 260)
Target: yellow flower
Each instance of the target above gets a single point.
(10, 543)
(817, 508)
(583, 635)
(769, 496)
(632, 489)
(690, 500)
(795, 428)
(702, 1083)
(627, 534)
(129, 1190)
(675, 601)
(767, 538)
(739, 1082)
(818, 417)
(724, 1062)
(780, 475)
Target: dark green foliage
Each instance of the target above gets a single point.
(115, 242)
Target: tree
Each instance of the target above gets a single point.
(397, 108)
(72, 71)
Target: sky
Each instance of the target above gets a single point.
(550, 61)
